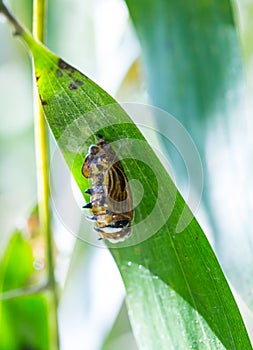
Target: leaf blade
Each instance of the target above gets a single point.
(23, 318)
(180, 261)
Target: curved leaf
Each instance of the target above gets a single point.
(192, 57)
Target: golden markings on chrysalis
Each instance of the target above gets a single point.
(110, 195)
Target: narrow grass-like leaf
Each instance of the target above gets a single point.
(191, 54)
(177, 295)
(192, 62)
(194, 69)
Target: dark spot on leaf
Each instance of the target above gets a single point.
(73, 86)
(43, 102)
(137, 250)
(78, 82)
(37, 77)
(59, 73)
(64, 65)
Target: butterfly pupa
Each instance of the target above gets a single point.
(110, 196)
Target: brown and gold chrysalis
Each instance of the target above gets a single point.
(110, 196)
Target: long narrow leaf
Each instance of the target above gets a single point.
(194, 69)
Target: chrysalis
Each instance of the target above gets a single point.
(110, 195)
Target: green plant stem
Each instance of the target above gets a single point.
(41, 145)
(18, 28)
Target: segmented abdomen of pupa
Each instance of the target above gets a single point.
(111, 199)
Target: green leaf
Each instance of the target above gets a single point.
(191, 55)
(169, 277)
(23, 318)
(194, 70)
(14, 275)
(177, 294)
(192, 61)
